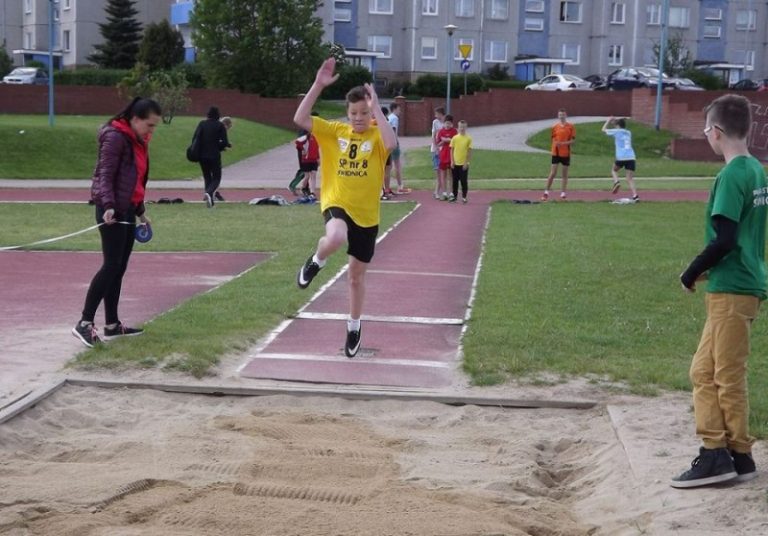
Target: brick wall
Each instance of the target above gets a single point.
(85, 100)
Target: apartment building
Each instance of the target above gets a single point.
(574, 36)
(25, 27)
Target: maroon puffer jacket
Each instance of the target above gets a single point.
(114, 178)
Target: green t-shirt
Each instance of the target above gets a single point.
(740, 194)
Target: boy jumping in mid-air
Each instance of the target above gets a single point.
(352, 157)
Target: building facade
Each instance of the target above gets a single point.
(25, 27)
(587, 36)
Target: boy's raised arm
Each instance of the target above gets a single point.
(388, 135)
(323, 79)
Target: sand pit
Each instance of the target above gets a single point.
(95, 462)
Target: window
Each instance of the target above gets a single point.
(654, 14)
(746, 19)
(500, 9)
(56, 14)
(380, 43)
(572, 53)
(615, 54)
(617, 12)
(429, 48)
(380, 7)
(27, 6)
(465, 8)
(457, 52)
(570, 11)
(496, 51)
(679, 17)
(533, 24)
(67, 4)
(429, 7)
(342, 14)
(65, 40)
(713, 14)
(534, 6)
(745, 57)
(711, 31)
(28, 40)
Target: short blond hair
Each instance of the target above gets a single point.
(226, 121)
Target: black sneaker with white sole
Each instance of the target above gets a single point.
(307, 273)
(711, 466)
(86, 333)
(352, 344)
(218, 196)
(120, 331)
(208, 200)
(745, 466)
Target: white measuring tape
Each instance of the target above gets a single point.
(56, 239)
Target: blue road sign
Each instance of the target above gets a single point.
(465, 65)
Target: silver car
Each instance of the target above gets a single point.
(26, 75)
(559, 82)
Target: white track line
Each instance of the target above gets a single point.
(373, 318)
(366, 360)
(427, 274)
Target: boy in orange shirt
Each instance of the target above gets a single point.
(563, 136)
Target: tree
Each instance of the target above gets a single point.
(6, 63)
(162, 46)
(121, 34)
(677, 57)
(168, 88)
(270, 47)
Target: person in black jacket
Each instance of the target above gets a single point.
(117, 191)
(212, 138)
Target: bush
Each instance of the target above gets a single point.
(705, 79)
(349, 77)
(498, 72)
(432, 85)
(91, 77)
(6, 63)
(193, 73)
(507, 84)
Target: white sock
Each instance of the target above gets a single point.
(546, 192)
(317, 260)
(353, 324)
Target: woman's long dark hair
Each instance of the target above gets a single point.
(139, 107)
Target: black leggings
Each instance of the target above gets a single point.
(460, 175)
(211, 168)
(116, 246)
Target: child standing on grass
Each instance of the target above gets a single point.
(444, 144)
(625, 154)
(461, 153)
(734, 264)
(563, 135)
(352, 157)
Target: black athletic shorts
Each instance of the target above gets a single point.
(626, 164)
(361, 241)
(308, 166)
(564, 160)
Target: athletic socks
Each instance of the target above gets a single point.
(317, 260)
(353, 324)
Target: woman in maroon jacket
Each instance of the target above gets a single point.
(119, 180)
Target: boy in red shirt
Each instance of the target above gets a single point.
(309, 157)
(444, 147)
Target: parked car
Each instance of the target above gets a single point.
(26, 75)
(747, 84)
(634, 77)
(598, 82)
(559, 82)
(686, 84)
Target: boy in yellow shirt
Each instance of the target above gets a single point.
(352, 158)
(461, 153)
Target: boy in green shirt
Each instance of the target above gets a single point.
(734, 264)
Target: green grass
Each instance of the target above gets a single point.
(68, 150)
(194, 336)
(592, 290)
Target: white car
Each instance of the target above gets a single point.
(559, 82)
(26, 75)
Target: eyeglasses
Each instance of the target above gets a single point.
(710, 127)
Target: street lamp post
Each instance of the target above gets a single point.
(450, 28)
(662, 56)
(50, 60)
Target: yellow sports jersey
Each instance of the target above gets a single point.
(461, 144)
(352, 169)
